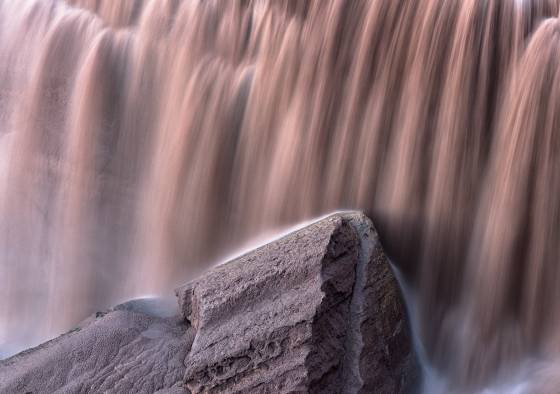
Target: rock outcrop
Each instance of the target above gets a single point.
(126, 350)
(316, 311)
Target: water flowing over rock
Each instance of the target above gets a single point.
(316, 311)
(141, 140)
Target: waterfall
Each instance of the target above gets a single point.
(142, 140)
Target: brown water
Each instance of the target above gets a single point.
(141, 141)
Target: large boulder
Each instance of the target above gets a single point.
(318, 310)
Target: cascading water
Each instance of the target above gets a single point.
(142, 140)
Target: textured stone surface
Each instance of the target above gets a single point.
(316, 311)
(379, 327)
(126, 350)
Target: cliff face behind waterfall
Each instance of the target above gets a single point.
(142, 140)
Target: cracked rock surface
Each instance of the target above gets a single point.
(316, 311)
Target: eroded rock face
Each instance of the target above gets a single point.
(125, 350)
(316, 311)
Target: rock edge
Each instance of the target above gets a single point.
(317, 311)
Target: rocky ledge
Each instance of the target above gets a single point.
(316, 311)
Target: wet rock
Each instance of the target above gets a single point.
(121, 351)
(316, 311)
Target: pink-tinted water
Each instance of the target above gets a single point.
(142, 140)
